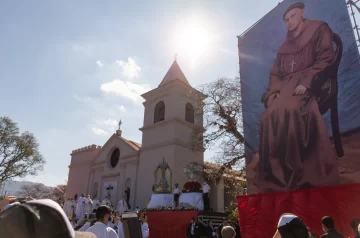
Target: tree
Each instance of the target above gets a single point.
(59, 193)
(19, 153)
(221, 108)
(37, 191)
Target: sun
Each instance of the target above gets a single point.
(192, 40)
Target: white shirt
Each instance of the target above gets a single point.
(145, 230)
(206, 188)
(177, 191)
(102, 231)
(85, 227)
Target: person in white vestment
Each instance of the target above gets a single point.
(89, 205)
(67, 208)
(100, 228)
(80, 206)
(122, 206)
(72, 206)
(106, 202)
(96, 203)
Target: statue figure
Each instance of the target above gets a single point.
(163, 178)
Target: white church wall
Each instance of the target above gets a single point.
(95, 181)
(162, 132)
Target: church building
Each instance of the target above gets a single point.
(122, 168)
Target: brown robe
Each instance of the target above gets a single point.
(295, 150)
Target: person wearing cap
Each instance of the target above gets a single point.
(38, 218)
(291, 226)
(294, 140)
(206, 189)
(101, 228)
(177, 193)
(328, 226)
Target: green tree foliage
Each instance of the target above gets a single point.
(19, 152)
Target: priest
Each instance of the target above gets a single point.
(295, 150)
(96, 203)
(80, 206)
(122, 206)
(89, 205)
(106, 202)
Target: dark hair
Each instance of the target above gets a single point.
(354, 223)
(328, 222)
(102, 211)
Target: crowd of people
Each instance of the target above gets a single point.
(72, 219)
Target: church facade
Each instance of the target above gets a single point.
(122, 168)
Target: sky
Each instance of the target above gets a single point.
(71, 69)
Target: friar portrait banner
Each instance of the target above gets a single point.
(300, 78)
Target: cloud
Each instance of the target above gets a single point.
(129, 69)
(122, 108)
(99, 132)
(100, 64)
(125, 89)
(81, 47)
(109, 123)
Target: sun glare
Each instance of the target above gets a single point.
(193, 41)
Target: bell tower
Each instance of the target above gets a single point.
(172, 112)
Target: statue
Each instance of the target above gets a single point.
(163, 178)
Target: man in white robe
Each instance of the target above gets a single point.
(89, 206)
(106, 202)
(80, 206)
(122, 206)
(96, 203)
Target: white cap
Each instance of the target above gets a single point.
(285, 219)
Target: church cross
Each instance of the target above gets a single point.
(120, 124)
(292, 64)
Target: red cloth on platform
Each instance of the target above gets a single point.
(260, 213)
(172, 224)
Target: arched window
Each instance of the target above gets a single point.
(114, 159)
(189, 113)
(159, 113)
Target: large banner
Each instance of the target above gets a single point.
(300, 79)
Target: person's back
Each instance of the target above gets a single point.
(329, 227)
(100, 228)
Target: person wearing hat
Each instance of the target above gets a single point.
(291, 226)
(177, 193)
(38, 218)
(292, 118)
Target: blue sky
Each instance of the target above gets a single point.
(71, 69)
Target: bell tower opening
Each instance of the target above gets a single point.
(159, 113)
